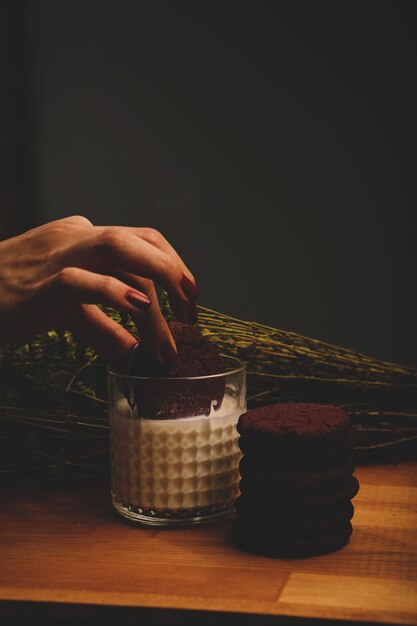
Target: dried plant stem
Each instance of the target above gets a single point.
(53, 408)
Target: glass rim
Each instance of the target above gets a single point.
(236, 370)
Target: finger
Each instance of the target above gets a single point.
(116, 247)
(74, 220)
(74, 285)
(188, 282)
(151, 325)
(77, 220)
(155, 238)
(105, 335)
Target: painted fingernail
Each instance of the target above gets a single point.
(138, 300)
(189, 288)
(167, 352)
(131, 358)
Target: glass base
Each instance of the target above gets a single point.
(171, 518)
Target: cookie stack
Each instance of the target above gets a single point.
(296, 480)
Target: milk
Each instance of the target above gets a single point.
(187, 466)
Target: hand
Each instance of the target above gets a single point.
(54, 275)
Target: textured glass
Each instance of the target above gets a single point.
(182, 470)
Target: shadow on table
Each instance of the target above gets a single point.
(48, 614)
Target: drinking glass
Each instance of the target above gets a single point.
(174, 445)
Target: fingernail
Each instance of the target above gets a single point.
(167, 352)
(192, 314)
(138, 300)
(189, 288)
(131, 357)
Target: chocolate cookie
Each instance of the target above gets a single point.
(293, 427)
(157, 395)
(299, 482)
(258, 497)
(278, 545)
(285, 462)
(196, 356)
(294, 521)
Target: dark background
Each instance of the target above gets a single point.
(273, 143)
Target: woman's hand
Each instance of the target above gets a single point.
(54, 275)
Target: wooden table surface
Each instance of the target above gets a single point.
(67, 546)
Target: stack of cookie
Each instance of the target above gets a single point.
(296, 480)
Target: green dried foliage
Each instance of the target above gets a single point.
(53, 399)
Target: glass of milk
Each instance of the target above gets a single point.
(173, 442)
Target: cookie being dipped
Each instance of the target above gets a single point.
(197, 357)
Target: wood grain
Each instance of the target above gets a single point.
(68, 546)
(379, 594)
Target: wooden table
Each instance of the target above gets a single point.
(65, 553)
